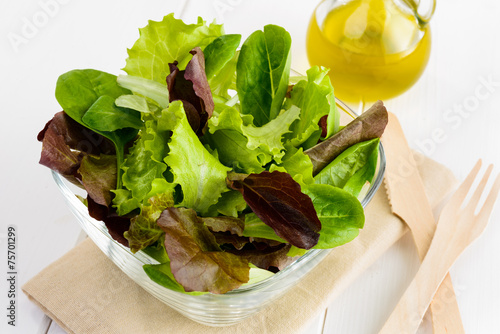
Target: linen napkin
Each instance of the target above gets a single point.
(84, 292)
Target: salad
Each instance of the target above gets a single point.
(210, 157)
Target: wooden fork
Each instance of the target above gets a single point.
(457, 228)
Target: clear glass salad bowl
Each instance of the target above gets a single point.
(208, 309)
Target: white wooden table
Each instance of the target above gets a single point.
(459, 96)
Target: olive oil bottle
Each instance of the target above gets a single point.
(375, 49)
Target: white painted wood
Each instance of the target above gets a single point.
(95, 34)
(55, 329)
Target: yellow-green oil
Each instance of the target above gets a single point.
(374, 49)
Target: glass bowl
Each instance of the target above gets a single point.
(208, 309)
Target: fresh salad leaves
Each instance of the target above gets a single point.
(209, 158)
(162, 43)
(263, 71)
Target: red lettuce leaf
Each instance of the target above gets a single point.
(143, 229)
(225, 224)
(192, 88)
(371, 124)
(196, 260)
(272, 258)
(226, 239)
(278, 201)
(98, 176)
(116, 225)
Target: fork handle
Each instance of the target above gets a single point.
(411, 308)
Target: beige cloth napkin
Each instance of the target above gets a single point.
(84, 292)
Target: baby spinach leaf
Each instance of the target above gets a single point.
(340, 213)
(164, 42)
(78, 90)
(162, 275)
(278, 201)
(263, 71)
(341, 170)
(225, 79)
(371, 124)
(104, 115)
(219, 53)
(197, 262)
(363, 176)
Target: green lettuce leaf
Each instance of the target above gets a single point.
(266, 138)
(340, 213)
(145, 163)
(230, 204)
(297, 164)
(162, 275)
(201, 176)
(263, 71)
(143, 229)
(315, 99)
(352, 168)
(166, 41)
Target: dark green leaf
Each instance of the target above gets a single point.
(340, 213)
(342, 170)
(263, 71)
(219, 53)
(104, 115)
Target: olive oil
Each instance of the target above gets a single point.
(374, 49)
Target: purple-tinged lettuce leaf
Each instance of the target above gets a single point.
(225, 224)
(78, 137)
(115, 224)
(278, 201)
(99, 177)
(196, 260)
(57, 156)
(271, 258)
(371, 124)
(192, 88)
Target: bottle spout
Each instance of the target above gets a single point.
(422, 9)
